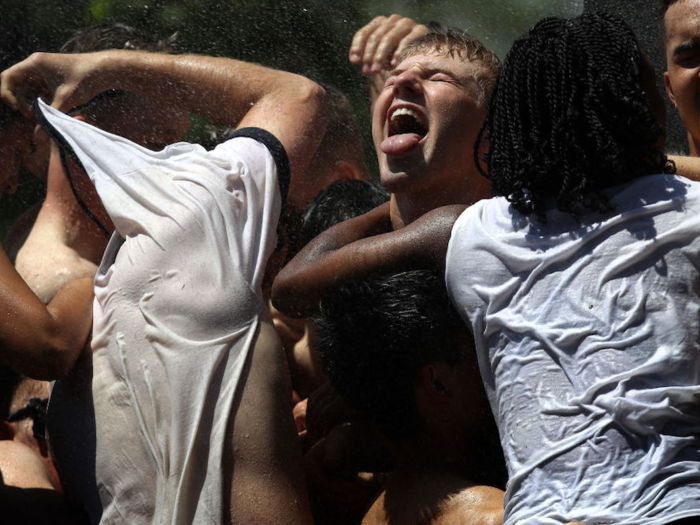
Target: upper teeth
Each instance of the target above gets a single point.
(404, 111)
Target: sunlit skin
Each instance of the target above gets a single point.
(438, 168)
(682, 79)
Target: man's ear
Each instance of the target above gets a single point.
(669, 89)
(7, 431)
(434, 380)
(482, 150)
(345, 171)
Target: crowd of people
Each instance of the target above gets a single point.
(503, 330)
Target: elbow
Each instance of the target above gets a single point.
(55, 360)
(290, 300)
(315, 101)
(282, 298)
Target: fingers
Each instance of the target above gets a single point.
(325, 410)
(25, 82)
(377, 45)
(299, 412)
(53, 77)
(10, 79)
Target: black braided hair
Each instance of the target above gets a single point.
(568, 116)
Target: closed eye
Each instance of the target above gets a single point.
(687, 54)
(441, 77)
(688, 60)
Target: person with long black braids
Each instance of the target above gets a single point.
(580, 281)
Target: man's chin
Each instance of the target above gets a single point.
(399, 181)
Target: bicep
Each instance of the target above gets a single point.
(297, 119)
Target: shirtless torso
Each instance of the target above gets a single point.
(63, 243)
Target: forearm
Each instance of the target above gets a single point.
(357, 249)
(688, 167)
(39, 341)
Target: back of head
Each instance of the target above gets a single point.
(101, 37)
(144, 120)
(341, 201)
(569, 116)
(454, 42)
(339, 156)
(342, 140)
(375, 335)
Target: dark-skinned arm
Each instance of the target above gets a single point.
(42, 342)
(359, 248)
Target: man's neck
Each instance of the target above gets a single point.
(75, 229)
(406, 208)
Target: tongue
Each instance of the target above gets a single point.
(398, 144)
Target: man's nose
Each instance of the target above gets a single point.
(408, 81)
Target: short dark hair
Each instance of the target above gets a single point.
(342, 140)
(568, 116)
(101, 37)
(374, 336)
(341, 201)
(453, 42)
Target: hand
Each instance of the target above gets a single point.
(377, 45)
(325, 410)
(338, 474)
(64, 80)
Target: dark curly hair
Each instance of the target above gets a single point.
(568, 117)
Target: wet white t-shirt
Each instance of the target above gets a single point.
(177, 304)
(588, 338)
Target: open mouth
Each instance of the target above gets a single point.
(405, 120)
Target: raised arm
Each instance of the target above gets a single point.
(359, 248)
(228, 91)
(377, 47)
(42, 342)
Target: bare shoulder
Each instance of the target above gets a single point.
(26, 493)
(376, 515)
(21, 467)
(476, 505)
(46, 263)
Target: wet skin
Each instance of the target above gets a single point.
(431, 157)
(682, 79)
